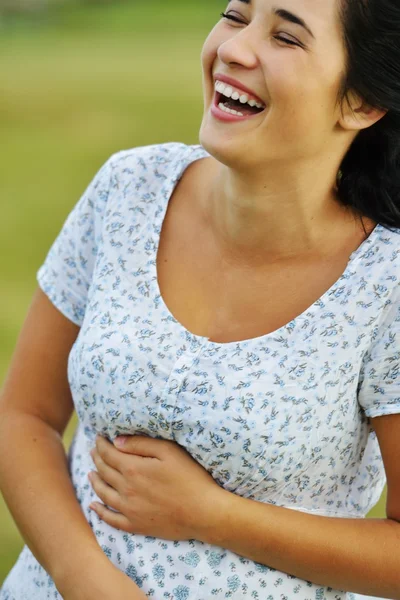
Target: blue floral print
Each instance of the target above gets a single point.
(283, 418)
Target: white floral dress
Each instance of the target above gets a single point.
(282, 418)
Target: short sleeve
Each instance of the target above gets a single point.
(66, 273)
(379, 388)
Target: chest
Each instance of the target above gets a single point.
(254, 416)
(212, 297)
(227, 304)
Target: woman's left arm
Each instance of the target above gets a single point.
(174, 498)
(358, 555)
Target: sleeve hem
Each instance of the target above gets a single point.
(71, 313)
(383, 412)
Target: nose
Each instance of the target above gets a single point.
(239, 50)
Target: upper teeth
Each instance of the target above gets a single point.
(230, 92)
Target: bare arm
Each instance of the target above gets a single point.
(359, 555)
(35, 408)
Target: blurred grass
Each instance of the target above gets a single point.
(77, 85)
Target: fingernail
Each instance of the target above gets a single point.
(120, 441)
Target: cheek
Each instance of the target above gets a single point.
(288, 81)
(299, 97)
(209, 51)
(315, 85)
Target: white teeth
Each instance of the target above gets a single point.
(229, 92)
(230, 110)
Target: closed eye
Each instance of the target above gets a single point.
(231, 17)
(277, 37)
(287, 41)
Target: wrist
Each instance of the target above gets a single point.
(100, 581)
(219, 518)
(85, 572)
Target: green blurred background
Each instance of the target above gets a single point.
(80, 81)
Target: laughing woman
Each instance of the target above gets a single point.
(233, 309)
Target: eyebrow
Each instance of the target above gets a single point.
(287, 16)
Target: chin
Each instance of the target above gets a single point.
(216, 148)
(220, 145)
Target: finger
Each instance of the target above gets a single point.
(107, 473)
(109, 454)
(114, 519)
(144, 446)
(105, 492)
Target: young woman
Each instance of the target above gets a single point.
(233, 308)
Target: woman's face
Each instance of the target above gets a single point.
(295, 72)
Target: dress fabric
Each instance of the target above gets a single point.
(282, 418)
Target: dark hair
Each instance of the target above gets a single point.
(369, 176)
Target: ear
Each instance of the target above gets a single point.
(356, 114)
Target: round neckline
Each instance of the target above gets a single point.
(190, 155)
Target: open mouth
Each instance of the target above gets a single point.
(236, 106)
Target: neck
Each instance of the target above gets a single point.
(277, 214)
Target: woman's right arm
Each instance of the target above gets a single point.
(35, 408)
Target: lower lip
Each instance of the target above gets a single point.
(227, 117)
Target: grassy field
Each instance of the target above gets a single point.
(77, 86)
